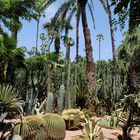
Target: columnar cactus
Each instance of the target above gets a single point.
(50, 101)
(60, 99)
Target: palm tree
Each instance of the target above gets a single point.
(40, 7)
(100, 37)
(90, 69)
(67, 10)
(107, 9)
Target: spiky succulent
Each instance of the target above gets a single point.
(10, 102)
(40, 127)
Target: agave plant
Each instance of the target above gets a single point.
(9, 101)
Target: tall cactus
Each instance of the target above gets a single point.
(50, 101)
(60, 99)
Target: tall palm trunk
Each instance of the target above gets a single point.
(134, 76)
(14, 34)
(77, 38)
(37, 33)
(99, 49)
(57, 46)
(90, 71)
(77, 47)
(112, 36)
(10, 75)
(67, 53)
(48, 72)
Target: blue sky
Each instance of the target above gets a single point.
(27, 35)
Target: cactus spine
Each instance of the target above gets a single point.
(60, 99)
(50, 101)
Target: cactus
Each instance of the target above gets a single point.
(14, 137)
(50, 101)
(44, 127)
(60, 99)
(72, 118)
(55, 126)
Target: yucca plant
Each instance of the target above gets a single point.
(10, 105)
(10, 102)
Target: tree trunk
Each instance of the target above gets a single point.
(14, 34)
(48, 72)
(134, 75)
(134, 14)
(2, 72)
(125, 128)
(67, 54)
(90, 71)
(77, 39)
(112, 37)
(99, 49)
(10, 75)
(37, 33)
(57, 47)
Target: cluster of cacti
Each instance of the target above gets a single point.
(109, 87)
(73, 118)
(44, 127)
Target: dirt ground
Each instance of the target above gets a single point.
(109, 134)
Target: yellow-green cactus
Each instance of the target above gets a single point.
(73, 117)
(44, 127)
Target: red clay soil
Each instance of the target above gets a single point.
(109, 134)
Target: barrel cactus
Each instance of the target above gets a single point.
(43, 127)
(14, 137)
(31, 127)
(73, 118)
(55, 126)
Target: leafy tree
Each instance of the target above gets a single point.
(128, 52)
(11, 13)
(11, 58)
(127, 9)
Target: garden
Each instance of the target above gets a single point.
(50, 92)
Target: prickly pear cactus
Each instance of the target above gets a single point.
(60, 99)
(50, 101)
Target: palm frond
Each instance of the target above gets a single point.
(91, 12)
(63, 10)
(46, 4)
(68, 27)
(105, 6)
